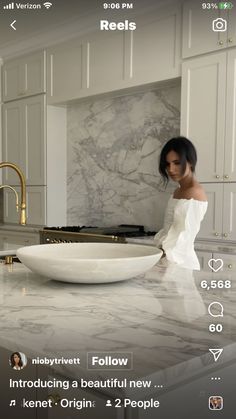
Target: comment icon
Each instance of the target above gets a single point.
(216, 309)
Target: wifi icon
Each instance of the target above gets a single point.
(47, 4)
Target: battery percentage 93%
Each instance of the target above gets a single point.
(209, 6)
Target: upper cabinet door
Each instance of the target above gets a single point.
(25, 76)
(107, 61)
(198, 34)
(230, 125)
(34, 138)
(24, 139)
(231, 40)
(211, 226)
(229, 211)
(203, 112)
(155, 47)
(66, 70)
(12, 140)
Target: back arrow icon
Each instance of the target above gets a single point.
(12, 25)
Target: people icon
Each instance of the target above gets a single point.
(215, 403)
(18, 361)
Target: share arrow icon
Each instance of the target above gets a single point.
(216, 353)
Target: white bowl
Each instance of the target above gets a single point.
(89, 262)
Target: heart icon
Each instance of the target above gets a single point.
(213, 262)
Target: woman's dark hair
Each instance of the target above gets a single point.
(12, 359)
(186, 152)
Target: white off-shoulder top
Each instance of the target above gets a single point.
(181, 224)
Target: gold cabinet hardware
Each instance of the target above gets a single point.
(230, 266)
(230, 40)
(217, 176)
(225, 234)
(220, 42)
(216, 234)
(226, 176)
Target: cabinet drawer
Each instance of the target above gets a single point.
(13, 240)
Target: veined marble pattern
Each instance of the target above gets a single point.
(161, 317)
(113, 151)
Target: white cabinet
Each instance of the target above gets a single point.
(107, 61)
(198, 34)
(11, 240)
(208, 115)
(155, 47)
(35, 205)
(229, 211)
(24, 76)
(66, 71)
(230, 117)
(24, 139)
(40, 151)
(148, 54)
(229, 261)
(220, 220)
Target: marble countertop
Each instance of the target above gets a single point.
(160, 317)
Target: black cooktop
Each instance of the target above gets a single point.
(122, 230)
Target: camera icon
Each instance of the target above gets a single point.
(219, 25)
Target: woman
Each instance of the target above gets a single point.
(16, 361)
(186, 208)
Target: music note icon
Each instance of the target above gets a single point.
(12, 403)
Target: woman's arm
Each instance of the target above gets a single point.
(179, 241)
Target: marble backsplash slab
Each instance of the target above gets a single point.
(113, 151)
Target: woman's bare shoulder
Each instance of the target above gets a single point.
(195, 192)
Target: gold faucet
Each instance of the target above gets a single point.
(23, 190)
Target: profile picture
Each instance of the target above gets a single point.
(215, 403)
(18, 360)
